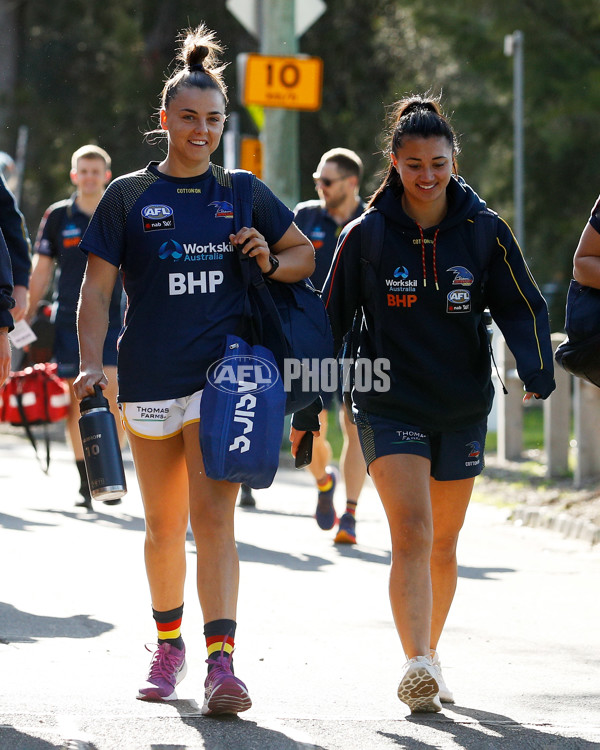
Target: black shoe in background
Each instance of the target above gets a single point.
(246, 497)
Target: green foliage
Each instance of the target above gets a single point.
(92, 71)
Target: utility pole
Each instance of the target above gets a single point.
(280, 134)
(513, 47)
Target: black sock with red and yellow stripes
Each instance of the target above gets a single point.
(168, 625)
(220, 638)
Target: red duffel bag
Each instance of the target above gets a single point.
(35, 395)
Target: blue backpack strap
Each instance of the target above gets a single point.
(260, 310)
(242, 188)
(241, 184)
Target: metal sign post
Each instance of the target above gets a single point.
(278, 24)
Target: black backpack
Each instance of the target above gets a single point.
(579, 353)
(288, 319)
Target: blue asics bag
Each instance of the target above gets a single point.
(242, 415)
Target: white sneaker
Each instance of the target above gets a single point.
(418, 687)
(445, 694)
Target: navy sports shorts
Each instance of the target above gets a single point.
(453, 455)
(66, 350)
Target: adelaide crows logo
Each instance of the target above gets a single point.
(462, 275)
(224, 210)
(474, 449)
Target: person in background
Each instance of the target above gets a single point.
(7, 303)
(586, 261)
(57, 245)
(176, 322)
(423, 434)
(16, 237)
(337, 181)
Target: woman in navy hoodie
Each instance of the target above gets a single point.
(423, 434)
(6, 303)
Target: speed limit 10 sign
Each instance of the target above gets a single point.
(285, 82)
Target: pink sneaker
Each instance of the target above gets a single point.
(167, 669)
(224, 693)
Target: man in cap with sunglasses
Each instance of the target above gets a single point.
(337, 182)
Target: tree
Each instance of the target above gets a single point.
(92, 71)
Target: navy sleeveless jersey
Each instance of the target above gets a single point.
(182, 277)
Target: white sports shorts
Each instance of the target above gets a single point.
(159, 420)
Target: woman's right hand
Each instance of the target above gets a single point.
(86, 380)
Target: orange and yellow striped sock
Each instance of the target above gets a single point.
(325, 483)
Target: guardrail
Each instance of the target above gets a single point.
(574, 400)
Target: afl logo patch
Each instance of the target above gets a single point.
(458, 301)
(157, 216)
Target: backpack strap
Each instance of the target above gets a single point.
(241, 184)
(372, 228)
(483, 241)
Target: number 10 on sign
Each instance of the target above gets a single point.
(284, 82)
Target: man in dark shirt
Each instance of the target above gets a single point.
(57, 244)
(337, 182)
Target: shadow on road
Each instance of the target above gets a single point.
(282, 513)
(232, 732)
(12, 739)
(361, 553)
(17, 626)
(483, 729)
(251, 553)
(125, 522)
(18, 524)
(486, 574)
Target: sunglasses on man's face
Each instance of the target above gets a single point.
(326, 181)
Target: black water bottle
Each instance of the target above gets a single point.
(101, 450)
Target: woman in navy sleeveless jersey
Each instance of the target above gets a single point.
(169, 229)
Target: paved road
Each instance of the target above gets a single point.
(315, 642)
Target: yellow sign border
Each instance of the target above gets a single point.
(278, 94)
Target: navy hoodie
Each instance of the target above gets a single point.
(422, 310)
(6, 287)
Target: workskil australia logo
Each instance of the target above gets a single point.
(192, 251)
(170, 249)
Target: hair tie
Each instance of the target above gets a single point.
(198, 67)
